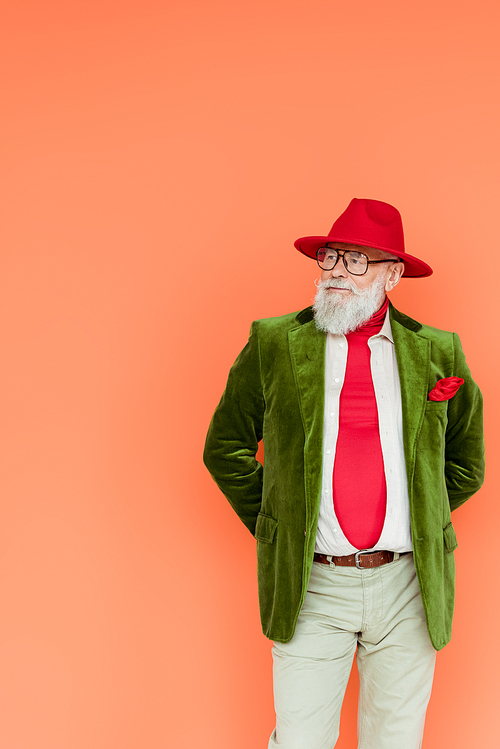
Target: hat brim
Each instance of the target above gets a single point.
(414, 268)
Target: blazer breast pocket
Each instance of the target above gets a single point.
(436, 412)
(436, 406)
(433, 430)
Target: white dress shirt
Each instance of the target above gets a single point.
(396, 535)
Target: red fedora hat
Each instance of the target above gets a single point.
(370, 223)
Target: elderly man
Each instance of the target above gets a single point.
(372, 429)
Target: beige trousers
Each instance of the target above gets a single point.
(379, 612)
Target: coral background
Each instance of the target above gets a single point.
(157, 162)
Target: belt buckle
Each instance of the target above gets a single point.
(356, 558)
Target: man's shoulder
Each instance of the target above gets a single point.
(426, 331)
(283, 323)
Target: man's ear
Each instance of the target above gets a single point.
(394, 276)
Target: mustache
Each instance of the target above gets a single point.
(339, 283)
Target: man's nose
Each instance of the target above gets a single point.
(340, 270)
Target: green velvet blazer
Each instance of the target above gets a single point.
(275, 392)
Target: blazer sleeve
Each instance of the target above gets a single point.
(234, 434)
(464, 455)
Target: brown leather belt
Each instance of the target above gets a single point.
(361, 559)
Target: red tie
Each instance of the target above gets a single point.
(359, 488)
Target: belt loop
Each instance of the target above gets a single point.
(396, 556)
(329, 558)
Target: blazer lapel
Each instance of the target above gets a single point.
(307, 354)
(413, 354)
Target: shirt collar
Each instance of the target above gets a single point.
(386, 329)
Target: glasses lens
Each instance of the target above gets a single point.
(356, 262)
(326, 258)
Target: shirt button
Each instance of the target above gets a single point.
(337, 379)
(326, 491)
(341, 345)
(332, 414)
(335, 530)
(328, 452)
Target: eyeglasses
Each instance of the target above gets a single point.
(356, 263)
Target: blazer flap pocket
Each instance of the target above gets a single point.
(450, 539)
(265, 528)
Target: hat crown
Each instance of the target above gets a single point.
(371, 223)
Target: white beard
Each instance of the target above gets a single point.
(334, 313)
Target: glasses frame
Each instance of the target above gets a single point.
(344, 252)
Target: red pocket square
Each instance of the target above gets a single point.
(445, 389)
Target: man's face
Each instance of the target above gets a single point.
(390, 272)
(345, 301)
